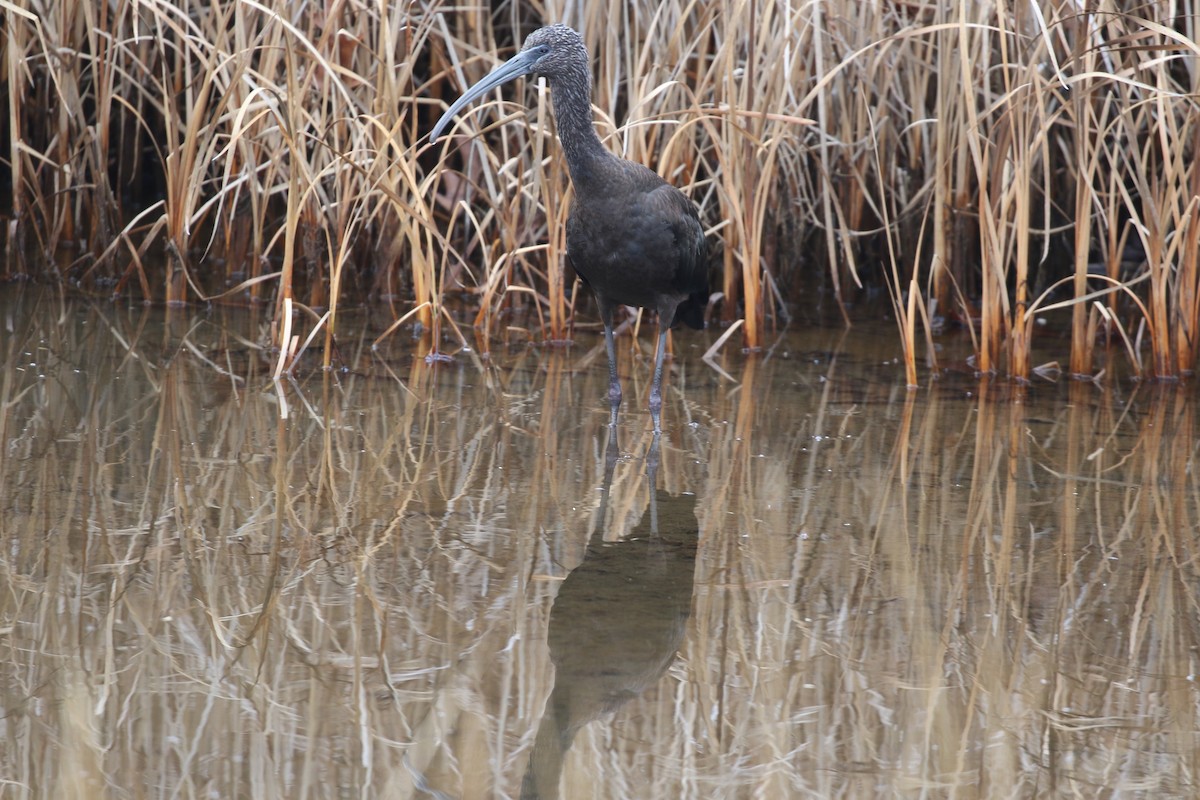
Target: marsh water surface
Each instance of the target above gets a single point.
(405, 579)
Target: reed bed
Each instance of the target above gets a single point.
(997, 166)
(952, 593)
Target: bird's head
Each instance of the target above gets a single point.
(553, 51)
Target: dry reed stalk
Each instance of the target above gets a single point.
(904, 310)
(1186, 327)
(1021, 326)
(941, 260)
(16, 46)
(1083, 108)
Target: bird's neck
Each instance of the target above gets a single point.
(576, 131)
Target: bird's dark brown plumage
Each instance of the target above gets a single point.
(634, 239)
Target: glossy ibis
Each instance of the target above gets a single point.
(633, 238)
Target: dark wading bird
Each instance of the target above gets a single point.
(633, 238)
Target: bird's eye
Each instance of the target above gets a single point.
(543, 49)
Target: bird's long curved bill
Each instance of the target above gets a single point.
(515, 67)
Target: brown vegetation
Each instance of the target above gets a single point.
(992, 163)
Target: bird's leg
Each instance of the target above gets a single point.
(656, 387)
(614, 383)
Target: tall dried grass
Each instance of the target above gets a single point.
(994, 164)
(938, 593)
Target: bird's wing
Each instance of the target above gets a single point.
(679, 214)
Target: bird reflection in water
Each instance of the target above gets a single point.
(617, 622)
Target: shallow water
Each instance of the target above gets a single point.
(415, 581)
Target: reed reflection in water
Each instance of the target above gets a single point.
(962, 591)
